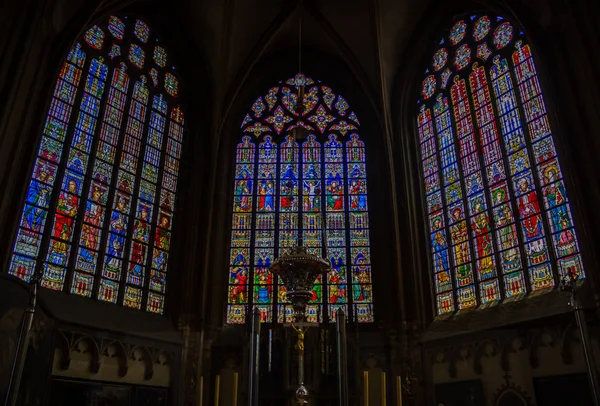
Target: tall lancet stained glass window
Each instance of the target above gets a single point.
(499, 218)
(286, 191)
(98, 211)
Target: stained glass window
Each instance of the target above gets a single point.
(286, 191)
(160, 56)
(499, 219)
(97, 215)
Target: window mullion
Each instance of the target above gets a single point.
(57, 187)
(324, 252)
(443, 212)
(251, 250)
(293, 200)
(155, 214)
(112, 191)
(509, 179)
(86, 185)
(471, 94)
(461, 182)
(536, 179)
(134, 197)
(348, 237)
(276, 239)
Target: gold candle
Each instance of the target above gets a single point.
(201, 391)
(366, 387)
(383, 390)
(398, 391)
(235, 388)
(217, 389)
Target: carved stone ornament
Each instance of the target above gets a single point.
(510, 394)
(71, 342)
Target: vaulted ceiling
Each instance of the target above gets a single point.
(371, 37)
(367, 35)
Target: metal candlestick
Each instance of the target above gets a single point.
(254, 363)
(302, 393)
(298, 270)
(14, 383)
(570, 285)
(342, 360)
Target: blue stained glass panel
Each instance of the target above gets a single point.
(94, 37)
(142, 31)
(137, 56)
(116, 26)
(76, 56)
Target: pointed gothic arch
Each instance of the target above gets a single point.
(327, 173)
(499, 218)
(97, 215)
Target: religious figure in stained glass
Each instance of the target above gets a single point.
(487, 108)
(37, 195)
(334, 191)
(291, 192)
(239, 274)
(140, 236)
(116, 241)
(65, 211)
(88, 109)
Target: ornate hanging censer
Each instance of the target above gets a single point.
(297, 268)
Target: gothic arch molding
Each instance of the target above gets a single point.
(339, 77)
(405, 94)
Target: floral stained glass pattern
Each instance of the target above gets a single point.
(97, 216)
(94, 37)
(314, 189)
(116, 26)
(458, 32)
(141, 31)
(171, 84)
(428, 86)
(115, 51)
(137, 56)
(462, 57)
(483, 51)
(503, 35)
(160, 56)
(481, 28)
(440, 58)
(499, 217)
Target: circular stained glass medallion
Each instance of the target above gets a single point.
(428, 86)
(481, 28)
(137, 56)
(94, 37)
(440, 58)
(458, 31)
(503, 35)
(462, 57)
(116, 27)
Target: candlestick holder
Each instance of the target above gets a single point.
(298, 270)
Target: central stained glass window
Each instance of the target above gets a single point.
(277, 180)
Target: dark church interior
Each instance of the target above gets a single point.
(299, 202)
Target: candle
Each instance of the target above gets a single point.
(217, 389)
(366, 387)
(200, 391)
(235, 388)
(398, 391)
(383, 390)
